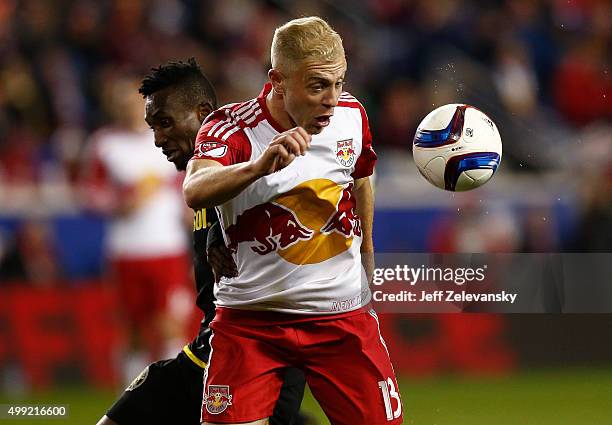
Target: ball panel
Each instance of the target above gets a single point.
(440, 117)
(458, 164)
(464, 182)
(481, 132)
(479, 174)
(435, 171)
(434, 137)
(476, 178)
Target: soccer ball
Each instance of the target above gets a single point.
(457, 147)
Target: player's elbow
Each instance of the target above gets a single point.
(193, 196)
(201, 185)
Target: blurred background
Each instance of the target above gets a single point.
(69, 72)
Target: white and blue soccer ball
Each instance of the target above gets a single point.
(457, 147)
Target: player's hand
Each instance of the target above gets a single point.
(218, 256)
(283, 149)
(222, 262)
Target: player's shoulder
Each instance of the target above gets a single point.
(229, 121)
(351, 103)
(222, 134)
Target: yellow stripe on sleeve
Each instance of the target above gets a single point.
(193, 357)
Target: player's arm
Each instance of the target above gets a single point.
(364, 196)
(364, 199)
(209, 183)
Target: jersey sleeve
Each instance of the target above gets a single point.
(222, 139)
(367, 160)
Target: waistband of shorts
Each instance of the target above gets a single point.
(264, 318)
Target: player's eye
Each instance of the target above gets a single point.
(316, 88)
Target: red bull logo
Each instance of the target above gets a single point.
(311, 223)
(273, 227)
(217, 399)
(345, 154)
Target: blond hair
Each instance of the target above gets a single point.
(303, 39)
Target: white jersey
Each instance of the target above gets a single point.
(294, 234)
(128, 163)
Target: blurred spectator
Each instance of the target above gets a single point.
(539, 231)
(515, 79)
(31, 257)
(400, 112)
(595, 230)
(474, 228)
(583, 84)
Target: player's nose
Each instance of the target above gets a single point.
(160, 139)
(331, 98)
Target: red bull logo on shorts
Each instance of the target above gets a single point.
(311, 223)
(345, 153)
(217, 399)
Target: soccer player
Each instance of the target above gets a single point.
(139, 193)
(289, 174)
(178, 98)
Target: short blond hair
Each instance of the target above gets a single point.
(303, 39)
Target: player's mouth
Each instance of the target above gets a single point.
(171, 155)
(323, 120)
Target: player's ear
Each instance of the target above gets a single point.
(204, 109)
(277, 80)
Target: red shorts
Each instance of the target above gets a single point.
(344, 359)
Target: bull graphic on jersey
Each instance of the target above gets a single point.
(271, 225)
(344, 221)
(345, 153)
(217, 399)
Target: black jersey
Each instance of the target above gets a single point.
(204, 280)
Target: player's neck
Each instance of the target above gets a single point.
(276, 107)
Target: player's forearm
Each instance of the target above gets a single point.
(207, 186)
(364, 198)
(365, 210)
